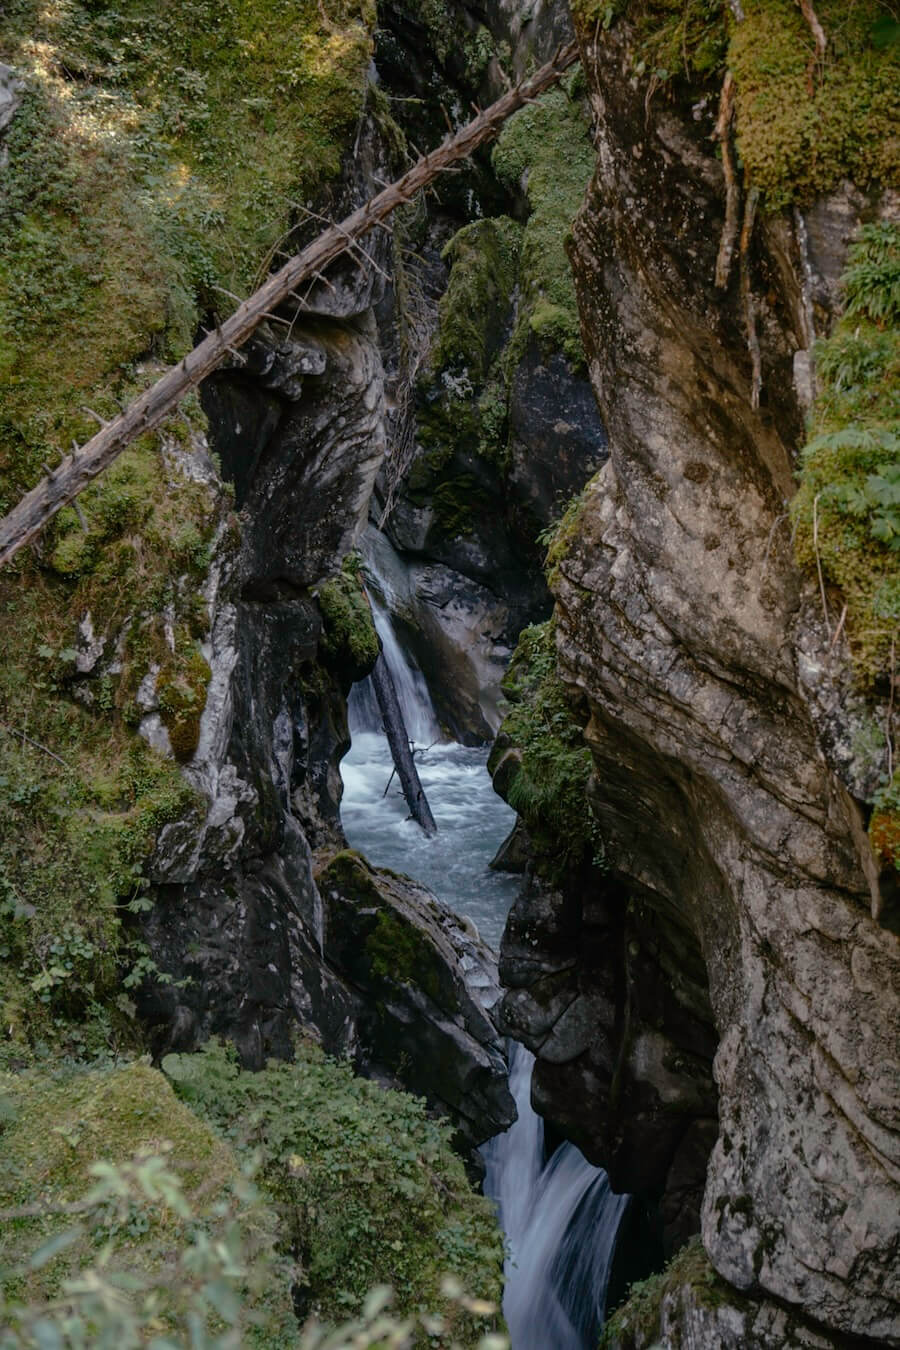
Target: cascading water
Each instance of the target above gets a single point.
(560, 1216)
(560, 1220)
(472, 820)
(409, 682)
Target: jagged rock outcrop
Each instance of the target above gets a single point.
(680, 617)
(250, 948)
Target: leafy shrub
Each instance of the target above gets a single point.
(368, 1187)
(349, 642)
(124, 1217)
(847, 508)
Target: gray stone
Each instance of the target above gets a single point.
(720, 765)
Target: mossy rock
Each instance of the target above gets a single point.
(349, 643)
(386, 940)
(801, 129)
(635, 1325)
(57, 1125)
(547, 146)
(153, 159)
(802, 126)
(474, 310)
(542, 761)
(181, 689)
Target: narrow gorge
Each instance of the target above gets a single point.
(593, 450)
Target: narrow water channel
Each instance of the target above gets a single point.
(558, 1213)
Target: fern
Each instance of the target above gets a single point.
(872, 282)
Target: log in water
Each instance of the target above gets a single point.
(398, 740)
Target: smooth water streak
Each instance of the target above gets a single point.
(560, 1220)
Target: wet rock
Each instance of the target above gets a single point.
(557, 441)
(514, 853)
(421, 986)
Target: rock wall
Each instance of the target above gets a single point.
(491, 426)
(682, 622)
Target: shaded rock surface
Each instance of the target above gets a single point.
(419, 989)
(465, 512)
(735, 840)
(247, 946)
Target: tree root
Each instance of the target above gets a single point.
(748, 298)
(732, 186)
(821, 41)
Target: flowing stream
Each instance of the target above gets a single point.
(559, 1215)
(472, 820)
(560, 1219)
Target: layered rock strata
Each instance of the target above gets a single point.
(683, 623)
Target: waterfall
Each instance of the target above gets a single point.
(560, 1220)
(412, 691)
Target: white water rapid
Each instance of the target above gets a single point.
(560, 1217)
(560, 1220)
(472, 820)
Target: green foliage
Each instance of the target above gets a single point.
(800, 129)
(127, 1221)
(802, 126)
(549, 786)
(154, 158)
(127, 1218)
(547, 146)
(508, 285)
(636, 1322)
(474, 310)
(368, 1187)
(454, 42)
(557, 538)
(349, 641)
(82, 800)
(847, 509)
(872, 281)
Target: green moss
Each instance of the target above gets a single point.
(396, 949)
(800, 131)
(508, 284)
(154, 159)
(58, 1126)
(474, 309)
(456, 502)
(801, 128)
(454, 42)
(548, 146)
(369, 1189)
(637, 1322)
(181, 689)
(549, 787)
(399, 953)
(349, 640)
(560, 536)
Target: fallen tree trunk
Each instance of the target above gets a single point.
(63, 484)
(398, 740)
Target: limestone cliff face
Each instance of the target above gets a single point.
(683, 624)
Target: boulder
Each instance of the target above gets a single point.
(420, 988)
